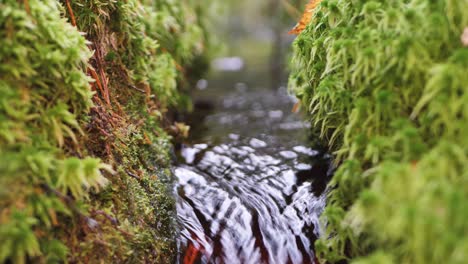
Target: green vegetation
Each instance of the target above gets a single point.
(84, 90)
(386, 84)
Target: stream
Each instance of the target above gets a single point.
(249, 188)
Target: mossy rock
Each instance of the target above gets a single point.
(385, 82)
(85, 88)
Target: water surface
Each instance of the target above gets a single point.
(249, 188)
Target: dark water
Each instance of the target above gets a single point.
(249, 188)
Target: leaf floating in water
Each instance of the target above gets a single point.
(191, 255)
(306, 17)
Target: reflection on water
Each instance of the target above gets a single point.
(249, 189)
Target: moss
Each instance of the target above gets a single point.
(85, 88)
(385, 83)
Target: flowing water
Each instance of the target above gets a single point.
(249, 189)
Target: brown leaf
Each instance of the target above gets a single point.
(306, 17)
(296, 107)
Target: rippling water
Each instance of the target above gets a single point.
(249, 188)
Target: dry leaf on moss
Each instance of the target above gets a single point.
(306, 17)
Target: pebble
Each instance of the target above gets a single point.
(288, 154)
(257, 143)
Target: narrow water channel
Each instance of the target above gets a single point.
(249, 188)
(250, 185)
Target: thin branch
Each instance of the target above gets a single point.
(70, 12)
(26, 6)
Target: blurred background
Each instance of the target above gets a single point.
(254, 42)
(252, 57)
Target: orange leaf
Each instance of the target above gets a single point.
(306, 17)
(191, 254)
(296, 107)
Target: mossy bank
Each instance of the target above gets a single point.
(386, 84)
(85, 90)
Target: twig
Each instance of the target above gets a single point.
(135, 88)
(98, 82)
(62, 196)
(26, 6)
(133, 175)
(100, 67)
(113, 220)
(70, 12)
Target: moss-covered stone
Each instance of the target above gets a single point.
(385, 82)
(85, 88)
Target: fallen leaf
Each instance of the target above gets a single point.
(296, 107)
(306, 17)
(191, 254)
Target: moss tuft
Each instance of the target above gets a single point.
(85, 88)
(385, 83)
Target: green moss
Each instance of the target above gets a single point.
(85, 172)
(385, 84)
